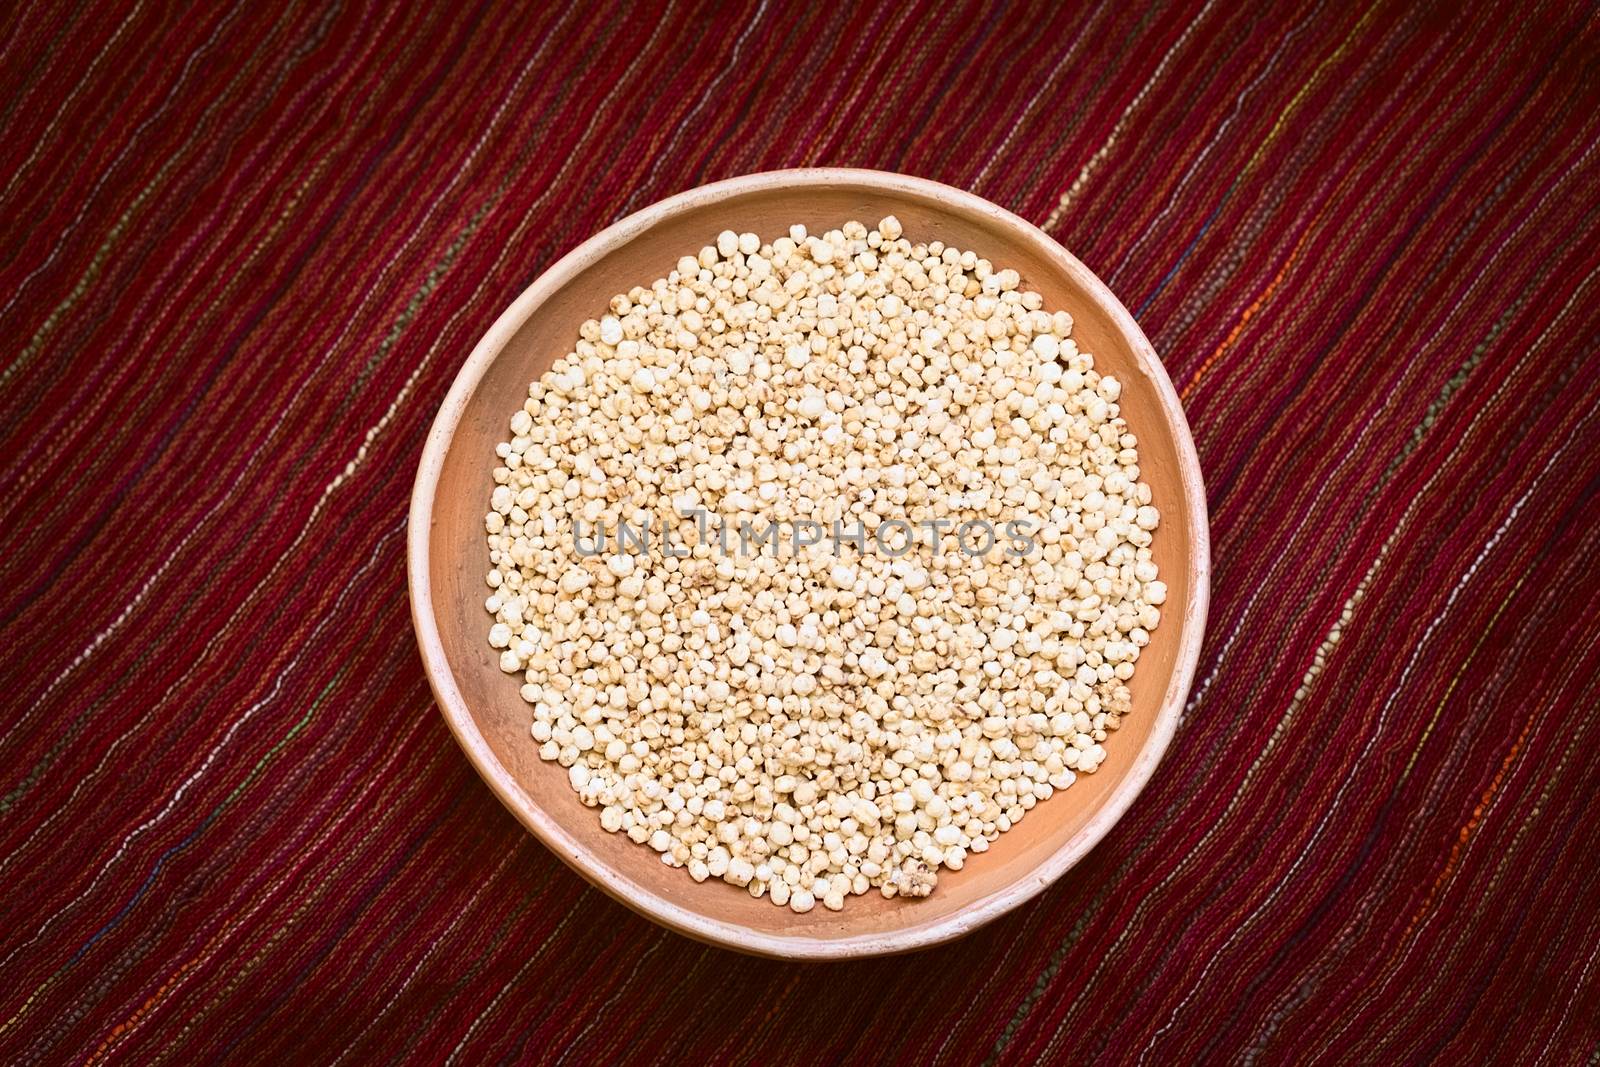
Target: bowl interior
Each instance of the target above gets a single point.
(642, 249)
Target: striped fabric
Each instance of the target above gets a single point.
(246, 247)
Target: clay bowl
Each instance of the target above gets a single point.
(448, 558)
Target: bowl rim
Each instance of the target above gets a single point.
(646, 902)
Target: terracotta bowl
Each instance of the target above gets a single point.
(448, 559)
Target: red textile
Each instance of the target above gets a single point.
(245, 248)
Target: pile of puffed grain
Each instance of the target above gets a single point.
(809, 725)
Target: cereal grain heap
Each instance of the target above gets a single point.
(811, 724)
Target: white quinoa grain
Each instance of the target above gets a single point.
(809, 725)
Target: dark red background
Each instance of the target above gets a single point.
(246, 247)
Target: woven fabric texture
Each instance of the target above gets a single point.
(245, 248)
